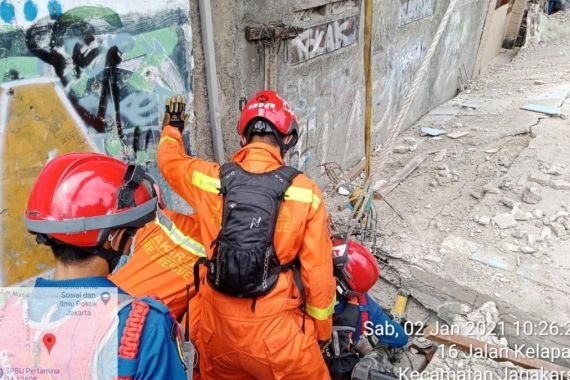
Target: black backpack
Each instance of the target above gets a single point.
(244, 263)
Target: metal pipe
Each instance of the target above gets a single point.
(368, 16)
(211, 79)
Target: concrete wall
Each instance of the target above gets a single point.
(81, 75)
(321, 71)
(401, 44)
(493, 35)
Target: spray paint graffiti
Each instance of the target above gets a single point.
(455, 40)
(323, 39)
(395, 75)
(414, 10)
(82, 77)
(324, 125)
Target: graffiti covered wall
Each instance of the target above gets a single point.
(325, 38)
(81, 75)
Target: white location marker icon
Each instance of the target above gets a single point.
(105, 297)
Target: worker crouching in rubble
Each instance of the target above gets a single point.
(360, 326)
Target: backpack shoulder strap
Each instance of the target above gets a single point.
(225, 173)
(286, 176)
(288, 172)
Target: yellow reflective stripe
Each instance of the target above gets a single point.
(302, 195)
(185, 242)
(166, 138)
(206, 183)
(321, 314)
(316, 202)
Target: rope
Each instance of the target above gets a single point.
(386, 149)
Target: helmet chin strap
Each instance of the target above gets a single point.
(118, 241)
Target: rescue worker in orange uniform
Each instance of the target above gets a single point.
(271, 327)
(162, 260)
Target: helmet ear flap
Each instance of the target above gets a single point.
(293, 142)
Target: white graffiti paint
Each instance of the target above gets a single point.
(413, 10)
(323, 39)
(396, 75)
(324, 123)
(456, 38)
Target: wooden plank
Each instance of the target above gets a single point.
(410, 167)
(467, 344)
(389, 186)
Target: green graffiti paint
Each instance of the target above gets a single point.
(166, 37)
(26, 67)
(155, 47)
(88, 13)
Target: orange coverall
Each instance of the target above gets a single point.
(234, 341)
(162, 263)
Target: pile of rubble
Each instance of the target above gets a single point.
(480, 324)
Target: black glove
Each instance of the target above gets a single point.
(174, 114)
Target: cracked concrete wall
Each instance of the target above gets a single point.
(321, 72)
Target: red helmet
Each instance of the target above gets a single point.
(79, 198)
(269, 107)
(356, 269)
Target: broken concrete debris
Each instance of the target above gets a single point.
(457, 135)
(508, 202)
(440, 156)
(539, 178)
(530, 195)
(476, 194)
(409, 144)
(401, 149)
(511, 247)
(434, 132)
(545, 234)
(552, 170)
(473, 104)
(547, 110)
(343, 190)
(558, 229)
(507, 185)
(504, 221)
(521, 215)
(484, 220)
(528, 250)
(559, 184)
(490, 189)
(410, 141)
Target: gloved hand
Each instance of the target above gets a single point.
(174, 114)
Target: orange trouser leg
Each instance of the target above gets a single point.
(273, 348)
